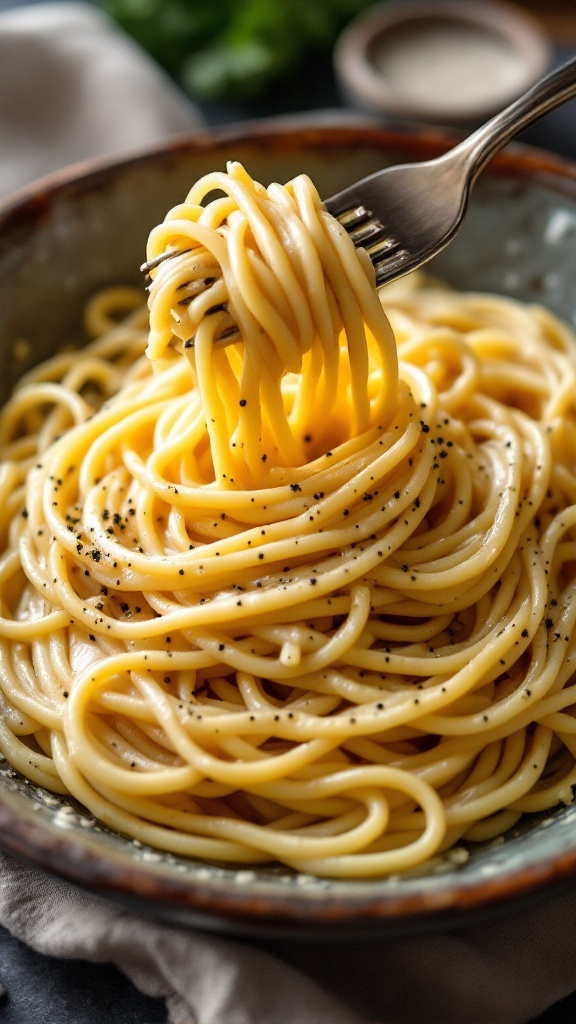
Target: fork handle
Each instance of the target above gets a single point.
(550, 92)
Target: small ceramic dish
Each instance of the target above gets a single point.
(455, 62)
(75, 232)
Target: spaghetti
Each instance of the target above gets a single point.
(269, 595)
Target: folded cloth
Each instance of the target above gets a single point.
(73, 86)
(204, 979)
(505, 971)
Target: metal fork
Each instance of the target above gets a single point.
(406, 214)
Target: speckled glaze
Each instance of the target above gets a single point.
(75, 232)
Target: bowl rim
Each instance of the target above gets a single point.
(236, 908)
(420, 140)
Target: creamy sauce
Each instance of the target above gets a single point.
(447, 66)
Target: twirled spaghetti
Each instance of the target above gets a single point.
(269, 596)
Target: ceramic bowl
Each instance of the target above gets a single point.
(69, 235)
(440, 61)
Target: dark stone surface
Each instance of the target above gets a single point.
(41, 990)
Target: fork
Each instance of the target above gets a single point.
(406, 214)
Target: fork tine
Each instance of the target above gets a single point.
(394, 265)
(350, 213)
(369, 233)
(169, 254)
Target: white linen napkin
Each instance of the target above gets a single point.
(505, 971)
(71, 87)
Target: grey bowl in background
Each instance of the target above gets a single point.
(440, 61)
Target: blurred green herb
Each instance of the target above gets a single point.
(232, 47)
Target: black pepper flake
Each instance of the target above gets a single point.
(242, 402)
